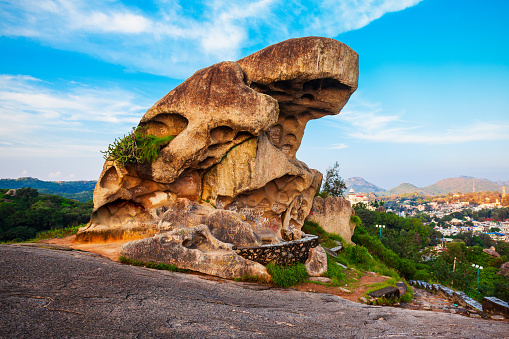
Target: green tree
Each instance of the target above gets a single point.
(333, 184)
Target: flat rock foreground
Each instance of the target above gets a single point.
(47, 293)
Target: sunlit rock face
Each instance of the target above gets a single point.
(237, 128)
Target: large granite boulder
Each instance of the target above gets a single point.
(491, 251)
(334, 214)
(232, 164)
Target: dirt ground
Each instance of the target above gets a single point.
(108, 249)
(356, 287)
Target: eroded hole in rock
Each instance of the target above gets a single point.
(290, 139)
(259, 87)
(283, 85)
(317, 84)
(307, 98)
(222, 134)
(275, 134)
(188, 243)
(286, 149)
(291, 123)
(279, 96)
(166, 124)
(110, 179)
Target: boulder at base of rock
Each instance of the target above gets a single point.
(333, 215)
(196, 249)
(316, 265)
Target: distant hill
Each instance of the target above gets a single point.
(403, 189)
(462, 184)
(360, 185)
(503, 183)
(77, 190)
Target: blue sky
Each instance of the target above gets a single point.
(432, 101)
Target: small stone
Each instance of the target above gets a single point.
(363, 300)
(341, 265)
(324, 280)
(474, 315)
(497, 317)
(344, 290)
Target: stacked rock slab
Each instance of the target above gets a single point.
(231, 169)
(333, 215)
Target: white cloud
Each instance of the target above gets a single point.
(38, 120)
(338, 146)
(178, 38)
(55, 175)
(364, 120)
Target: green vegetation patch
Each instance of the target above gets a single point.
(136, 147)
(334, 272)
(286, 276)
(58, 233)
(25, 213)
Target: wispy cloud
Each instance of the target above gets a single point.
(40, 121)
(367, 121)
(338, 146)
(176, 38)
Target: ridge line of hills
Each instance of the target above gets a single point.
(462, 184)
(82, 190)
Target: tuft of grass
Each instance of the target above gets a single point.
(356, 219)
(286, 276)
(334, 272)
(408, 296)
(157, 266)
(310, 227)
(383, 301)
(136, 147)
(57, 233)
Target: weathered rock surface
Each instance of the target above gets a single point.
(237, 128)
(74, 294)
(193, 248)
(316, 265)
(333, 215)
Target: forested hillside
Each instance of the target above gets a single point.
(407, 245)
(78, 190)
(25, 212)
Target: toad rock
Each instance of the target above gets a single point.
(232, 164)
